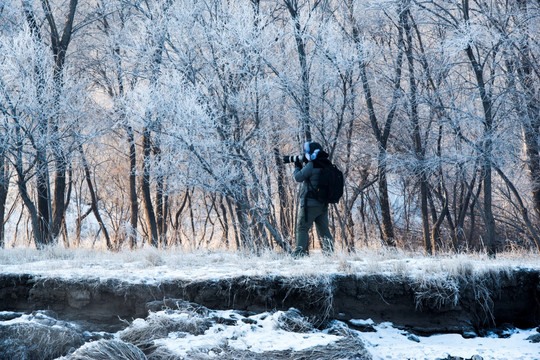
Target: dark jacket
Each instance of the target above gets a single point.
(309, 175)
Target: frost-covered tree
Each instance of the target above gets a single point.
(232, 89)
(44, 106)
(60, 39)
(167, 120)
(26, 84)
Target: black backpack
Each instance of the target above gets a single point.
(331, 184)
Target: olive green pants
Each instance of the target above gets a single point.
(319, 215)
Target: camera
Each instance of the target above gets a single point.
(296, 158)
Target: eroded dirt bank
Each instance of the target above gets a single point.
(464, 303)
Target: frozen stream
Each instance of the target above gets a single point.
(192, 332)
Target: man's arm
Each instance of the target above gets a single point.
(302, 174)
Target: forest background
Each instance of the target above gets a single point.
(131, 122)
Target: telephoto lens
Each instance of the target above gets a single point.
(291, 159)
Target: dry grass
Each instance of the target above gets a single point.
(436, 292)
(293, 320)
(107, 350)
(158, 325)
(349, 348)
(149, 262)
(37, 338)
(315, 291)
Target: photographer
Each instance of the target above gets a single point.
(311, 209)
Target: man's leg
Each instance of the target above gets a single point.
(326, 238)
(302, 228)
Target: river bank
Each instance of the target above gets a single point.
(420, 297)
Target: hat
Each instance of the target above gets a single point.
(312, 149)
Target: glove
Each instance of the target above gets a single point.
(298, 163)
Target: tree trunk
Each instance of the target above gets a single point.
(225, 221)
(436, 231)
(244, 228)
(4, 187)
(34, 216)
(166, 212)
(43, 200)
(486, 156)
(234, 222)
(240, 197)
(521, 207)
(39, 219)
(386, 213)
(150, 125)
(531, 137)
(487, 143)
(381, 134)
(58, 204)
(282, 194)
(418, 148)
(160, 216)
(160, 195)
(78, 225)
(134, 202)
(94, 199)
(530, 112)
(292, 7)
(387, 227)
(59, 46)
(66, 205)
(488, 211)
(145, 186)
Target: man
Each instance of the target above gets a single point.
(311, 210)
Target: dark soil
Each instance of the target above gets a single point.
(476, 303)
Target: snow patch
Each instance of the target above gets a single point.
(391, 343)
(258, 333)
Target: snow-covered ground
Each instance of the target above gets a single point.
(391, 343)
(260, 333)
(153, 265)
(265, 335)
